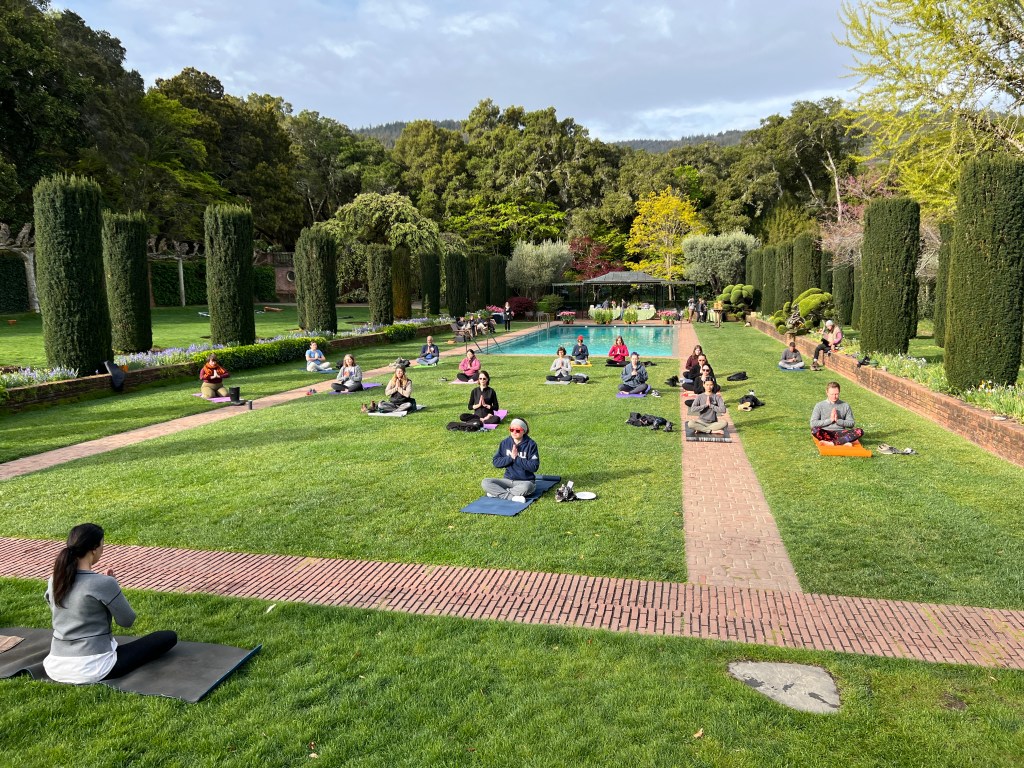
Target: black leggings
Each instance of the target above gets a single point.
(823, 347)
(337, 386)
(133, 655)
(463, 377)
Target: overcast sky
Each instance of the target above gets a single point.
(625, 69)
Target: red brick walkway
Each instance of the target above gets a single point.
(937, 633)
(731, 536)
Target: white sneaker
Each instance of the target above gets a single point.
(517, 499)
(492, 495)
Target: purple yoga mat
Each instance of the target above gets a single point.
(459, 381)
(214, 399)
(501, 415)
(627, 394)
(366, 385)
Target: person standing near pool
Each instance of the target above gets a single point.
(517, 454)
(618, 353)
(507, 316)
(580, 353)
(634, 377)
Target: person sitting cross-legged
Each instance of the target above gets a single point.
(618, 354)
(429, 353)
(832, 419)
(791, 360)
(580, 353)
(315, 360)
(518, 456)
(561, 367)
(707, 410)
(469, 367)
(349, 378)
(634, 377)
(211, 377)
(483, 402)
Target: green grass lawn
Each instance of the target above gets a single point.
(367, 688)
(43, 429)
(22, 344)
(943, 526)
(316, 477)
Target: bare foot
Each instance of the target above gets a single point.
(718, 432)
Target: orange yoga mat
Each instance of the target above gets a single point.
(850, 449)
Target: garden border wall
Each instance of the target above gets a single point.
(20, 398)
(1002, 438)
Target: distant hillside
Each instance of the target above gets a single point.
(388, 133)
(659, 146)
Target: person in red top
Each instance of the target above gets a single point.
(618, 354)
(469, 367)
(212, 377)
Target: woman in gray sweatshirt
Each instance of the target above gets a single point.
(82, 602)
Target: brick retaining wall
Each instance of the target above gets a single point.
(20, 398)
(1002, 438)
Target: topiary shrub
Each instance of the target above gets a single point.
(479, 266)
(316, 265)
(13, 283)
(69, 273)
(126, 268)
(942, 282)
(250, 356)
(378, 271)
(842, 293)
(985, 295)
(229, 276)
(265, 283)
(456, 273)
(499, 285)
(768, 263)
(400, 332)
(892, 238)
(401, 282)
(430, 282)
(784, 273)
(806, 263)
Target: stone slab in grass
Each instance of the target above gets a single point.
(798, 686)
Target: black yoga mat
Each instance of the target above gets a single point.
(188, 671)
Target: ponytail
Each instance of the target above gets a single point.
(82, 540)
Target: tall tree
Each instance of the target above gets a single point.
(942, 282)
(717, 259)
(126, 268)
(892, 242)
(316, 274)
(664, 220)
(229, 274)
(806, 263)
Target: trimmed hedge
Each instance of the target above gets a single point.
(430, 282)
(892, 242)
(499, 286)
(401, 282)
(248, 356)
(825, 271)
(400, 332)
(13, 283)
(842, 293)
(942, 282)
(858, 291)
(479, 280)
(126, 267)
(456, 273)
(316, 260)
(265, 283)
(229, 275)
(163, 277)
(756, 261)
(768, 265)
(985, 298)
(806, 263)
(69, 273)
(378, 270)
(783, 274)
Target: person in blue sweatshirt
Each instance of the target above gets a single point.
(519, 457)
(429, 353)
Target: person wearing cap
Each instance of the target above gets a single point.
(580, 353)
(429, 353)
(634, 377)
(707, 410)
(831, 338)
(518, 456)
(791, 360)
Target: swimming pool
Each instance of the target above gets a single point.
(648, 340)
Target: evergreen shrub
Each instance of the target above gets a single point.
(892, 238)
(842, 292)
(784, 273)
(265, 283)
(430, 282)
(457, 288)
(13, 283)
(499, 286)
(768, 264)
(316, 259)
(378, 270)
(806, 263)
(942, 282)
(229, 273)
(126, 267)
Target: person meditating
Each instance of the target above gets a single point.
(831, 338)
(82, 603)
(618, 353)
(693, 376)
(634, 377)
(561, 367)
(429, 353)
(399, 392)
(693, 358)
(469, 367)
(707, 410)
(483, 402)
(791, 360)
(832, 419)
(349, 378)
(518, 456)
(212, 376)
(580, 353)
(315, 360)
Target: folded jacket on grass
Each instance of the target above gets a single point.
(396, 414)
(485, 505)
(704, 437)
(188, 671)
(854, 449)
(366, 385)
(501, 414)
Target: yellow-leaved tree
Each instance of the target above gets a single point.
(663, 221)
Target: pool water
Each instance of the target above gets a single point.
(648, 340)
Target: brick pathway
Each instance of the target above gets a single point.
(731, 536)
(938, 633)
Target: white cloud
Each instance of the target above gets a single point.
(468, 24)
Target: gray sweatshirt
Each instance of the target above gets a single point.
(707, 407)
(81, 627)
(822, 415)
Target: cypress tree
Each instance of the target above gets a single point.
(479, 279)
(229, 275)
(754, 274)
(842, 292)
(401, 282)
(769, 261)
(430, 280)
(825, 272)
(378, 270)
(316, 258)
(783, 274)
(985, 295)
(126, 267)
(299, 269)
(942, 281)
(456, 273)
(892, 241)
(806, 263)
(69, 273)
(858, 285)
(499, 286)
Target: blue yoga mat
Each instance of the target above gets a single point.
(627, 394)
(791, 370)
(488, 506)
